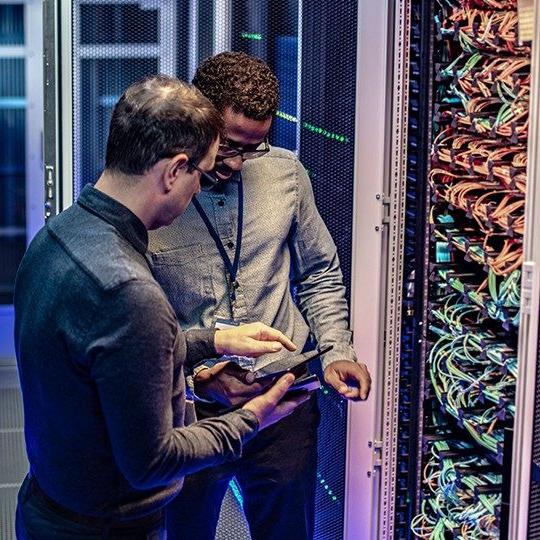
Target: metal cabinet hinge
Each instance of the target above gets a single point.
(385, 202)
(527, 284)
(49, 191)
(376, 446)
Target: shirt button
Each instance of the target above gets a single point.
(230, 245)
(221, 202)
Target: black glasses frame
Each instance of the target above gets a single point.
(240, 150)
(208, 181)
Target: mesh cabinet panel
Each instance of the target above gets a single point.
(12, 158)
(534, 512)
(315, 118)
(327, 151)
(114, 44)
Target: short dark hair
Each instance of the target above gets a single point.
(157, 117)
(240, 81)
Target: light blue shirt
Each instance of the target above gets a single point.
(284, 242)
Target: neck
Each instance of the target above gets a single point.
(131, 191)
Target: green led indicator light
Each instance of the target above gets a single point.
(314, 129)
(248, 35)
(325, 132)
(329, 492)
(286, 116)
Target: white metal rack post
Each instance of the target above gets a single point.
(530, 305)
(364, 490)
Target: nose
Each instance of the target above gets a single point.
(235, 163)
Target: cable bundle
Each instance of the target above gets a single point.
(486, 202)
(480, 159)
(497, 299)
(472, 375)
(493, 31)
(464, 493)
(477, 184)
(491, 4)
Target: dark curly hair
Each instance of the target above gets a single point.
(240, 81)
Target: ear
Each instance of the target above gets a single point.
(173, 170)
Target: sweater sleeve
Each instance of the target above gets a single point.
(200, 345)
(133, 357)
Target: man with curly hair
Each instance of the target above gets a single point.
(235, 255)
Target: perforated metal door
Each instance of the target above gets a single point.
(114, 44)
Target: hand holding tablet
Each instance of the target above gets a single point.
(292, 364)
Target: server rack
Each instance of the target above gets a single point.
(426, 73)
(460, 359)
(474, 292)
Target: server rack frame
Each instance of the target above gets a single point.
(370, 252)
(380, 175)
(527, 385)
(363, 435)
(528, 347)
(395, 258)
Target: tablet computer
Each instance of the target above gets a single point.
(289, 364)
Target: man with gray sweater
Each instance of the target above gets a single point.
(99, 350)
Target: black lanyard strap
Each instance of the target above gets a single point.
(232, 267)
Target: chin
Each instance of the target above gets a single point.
(158, 225)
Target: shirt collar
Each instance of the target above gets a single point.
(118, 215)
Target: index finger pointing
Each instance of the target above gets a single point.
(271, 334)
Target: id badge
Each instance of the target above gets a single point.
(243, 361)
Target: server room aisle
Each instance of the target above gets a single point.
(13, 465)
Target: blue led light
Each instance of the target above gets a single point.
(237, 492)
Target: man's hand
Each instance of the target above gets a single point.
(225, 383)
(251, 339)
(350, 379)
(272, 406)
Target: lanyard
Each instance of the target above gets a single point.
(232, 267)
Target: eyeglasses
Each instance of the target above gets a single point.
(208, 181)
(230, 149)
